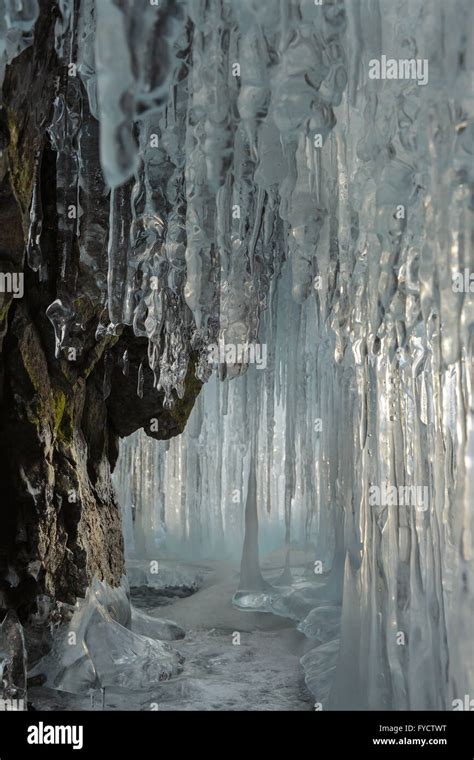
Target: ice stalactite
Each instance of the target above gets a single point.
(17, 20)
(201, 167)
(226, 417)
(404, 351)
(369, 377)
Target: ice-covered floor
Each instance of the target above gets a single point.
(262, 672)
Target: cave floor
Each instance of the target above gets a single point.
(262, 672)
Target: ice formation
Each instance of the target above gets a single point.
(258, 186)
(369, 377)
(98, 650)
(17, 20)
(13, 688)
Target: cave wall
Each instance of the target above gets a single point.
(61, 411)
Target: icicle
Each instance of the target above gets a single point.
(125, 363)
(33, 247)
(140, 381)
(108, 369)
(60, 315)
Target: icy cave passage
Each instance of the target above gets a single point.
(236, 335)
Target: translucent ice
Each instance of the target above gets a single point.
(336, 236)
(12, 659)
(98, 650)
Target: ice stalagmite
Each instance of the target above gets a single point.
(12, 660)
(250, 575)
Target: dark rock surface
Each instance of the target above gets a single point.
(59, 520)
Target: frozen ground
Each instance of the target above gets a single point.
(262, 672)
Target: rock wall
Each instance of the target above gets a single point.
(61, 412)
